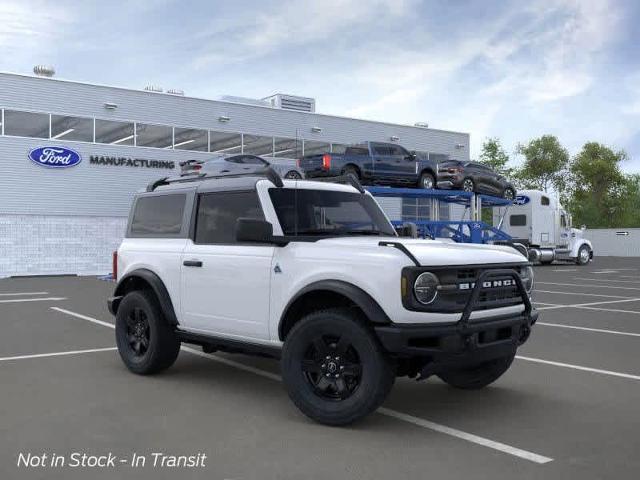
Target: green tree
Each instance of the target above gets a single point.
(494, 156)
(601, 194)
(545, 164)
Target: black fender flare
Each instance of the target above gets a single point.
(156, 284)
(359, 297)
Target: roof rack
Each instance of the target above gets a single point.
(267, 172)
(349, 179)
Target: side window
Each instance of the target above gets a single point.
(158, 215)
(397, 150)
(218, 213)
(518, 220)
(381, 150)
(544, 201)
(563, 221)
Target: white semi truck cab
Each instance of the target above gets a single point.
(538, 221)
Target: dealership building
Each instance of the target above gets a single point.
(72, 154)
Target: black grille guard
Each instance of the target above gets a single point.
(463, 323)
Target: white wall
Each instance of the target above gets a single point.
(46, 245)
(612, 242)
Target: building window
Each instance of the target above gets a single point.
(71, 128)
(287, 147)
(114, 133)
(157, 136)
(26, 124)
(518, 220)
(257, 145)
(338, 148)
(190, 139)
(225, 142)
(416, 209)
(312, 147)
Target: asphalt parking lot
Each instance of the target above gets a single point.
(569, 407)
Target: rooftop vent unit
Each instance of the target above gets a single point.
(175, 91)
(292, 102)
(153, 88)
(44, 71)
(245, 100)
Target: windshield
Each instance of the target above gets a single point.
(328, 212)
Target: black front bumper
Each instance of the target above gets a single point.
(467, 341)
(475, 342)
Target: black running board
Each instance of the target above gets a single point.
(211, 343)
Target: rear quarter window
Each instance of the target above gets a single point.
(158, 216)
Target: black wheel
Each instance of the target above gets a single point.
(584, 255)
(468, 185)
(509, 194)
(351, 170)
(334, 369)
(146, 343)
(427, 181)
(293, 175)
(479, 376)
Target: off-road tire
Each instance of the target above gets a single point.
(293, 175)
(479, 376)
(162, 344)
(302, 367)
(427, 179)
(582, 258)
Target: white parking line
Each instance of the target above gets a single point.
(16, 294)
(579, 367)
(590, 286)
(564, 270)
(608, 280)
(580, 293)
(83, 317)
(587, 329)
(56, 354)
(21, 300)
(585, 305)
(614, 310)
(517, 452)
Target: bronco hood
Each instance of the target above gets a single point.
(436, 253)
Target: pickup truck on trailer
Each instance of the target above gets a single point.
(375, 163)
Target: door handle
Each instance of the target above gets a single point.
(192, 263)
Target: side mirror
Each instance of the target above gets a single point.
(407, 230)
(254, 230)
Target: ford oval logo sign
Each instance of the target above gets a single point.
(521, 200)
(55, 157)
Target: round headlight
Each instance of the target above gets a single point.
(426, 288)
(527, 278)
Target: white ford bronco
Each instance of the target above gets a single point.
(312, 273)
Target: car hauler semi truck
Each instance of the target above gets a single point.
(538, 221)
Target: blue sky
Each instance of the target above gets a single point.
(514, 70)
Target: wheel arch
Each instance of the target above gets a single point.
(328, 293)
(144, 279)
(355, 167)
(430, 171)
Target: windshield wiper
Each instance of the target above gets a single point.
(376, 233)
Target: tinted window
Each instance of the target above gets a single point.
(287, 147)
(158, 215)
(26, 124)
(115, 133)
(158, 136)
(397, 150)
(327, 212)
(544, 200)
(381, 150)
(224, 142)
(314, 148)
(518, 220)
(257, 145)
(338, 148)
(247, 160)
(71, 128)
(190, 139)
(357, 151)
(218, 213)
